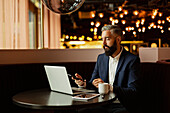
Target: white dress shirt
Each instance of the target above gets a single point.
(113, 62)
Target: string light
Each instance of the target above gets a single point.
(155, 11)
(161, 27)
(81, 39)
(116, 21)
(111, 18)
(95, 36)
(113, 22)
(149, 27)
(143, 29)
(154, 26)
(134, 47)
(159, 21)
(71, 37)
(137, 25)
(91, 30)
(67, 37)
(92, 23)
(125, 12)
(134, 32)
(88, 38)
(168, 18)
(62, 1)
(142, 21)
(101, 15)
(93, 14)
(121, 15)
(153, 17)
(127, 29)
(163, 21)
(158, 26)
(162, 31)
(116, 15)
(75, 37)
(135, 12)
(138, 22)
(132, 28)
(95, 29)
(153, 45)
(62, 39)
(123, 32)
(99, 37)
(123, 21)
(160, 14)
(97, 24)
(120, 8)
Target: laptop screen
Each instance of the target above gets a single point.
(58, 79)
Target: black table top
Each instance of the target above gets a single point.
(47, 99)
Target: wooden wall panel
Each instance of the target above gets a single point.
(24, 22)
(1, 23)
(8, 26)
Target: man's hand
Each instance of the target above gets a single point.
(97, 81)
(79, 82)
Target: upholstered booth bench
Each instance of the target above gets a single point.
(15, 78)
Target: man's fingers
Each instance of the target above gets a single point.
(73, 78)
(97, 81)
(100, 80)
(78, 76)
(79, 82)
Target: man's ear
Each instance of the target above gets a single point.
(119, 39)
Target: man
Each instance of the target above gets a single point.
(117, 67)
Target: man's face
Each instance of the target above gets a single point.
(109, 42)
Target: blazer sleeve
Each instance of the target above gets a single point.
(95, 75)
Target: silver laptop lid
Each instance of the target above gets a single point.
(58, 79)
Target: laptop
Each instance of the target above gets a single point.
(59, 81)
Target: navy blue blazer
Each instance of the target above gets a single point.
(126, 84)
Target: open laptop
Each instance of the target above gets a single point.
(59, 81)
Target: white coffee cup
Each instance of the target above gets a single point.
(103, 88)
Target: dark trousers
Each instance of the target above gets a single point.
(109, 108)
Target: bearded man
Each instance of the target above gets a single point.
(120, 69)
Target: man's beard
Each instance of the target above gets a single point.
(110, 50)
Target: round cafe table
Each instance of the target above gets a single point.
(47, 99)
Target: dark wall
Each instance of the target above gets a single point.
(156, 80)
(22, 77)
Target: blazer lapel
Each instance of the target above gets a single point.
(118, 80)
(121, 59)
(106, 66)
